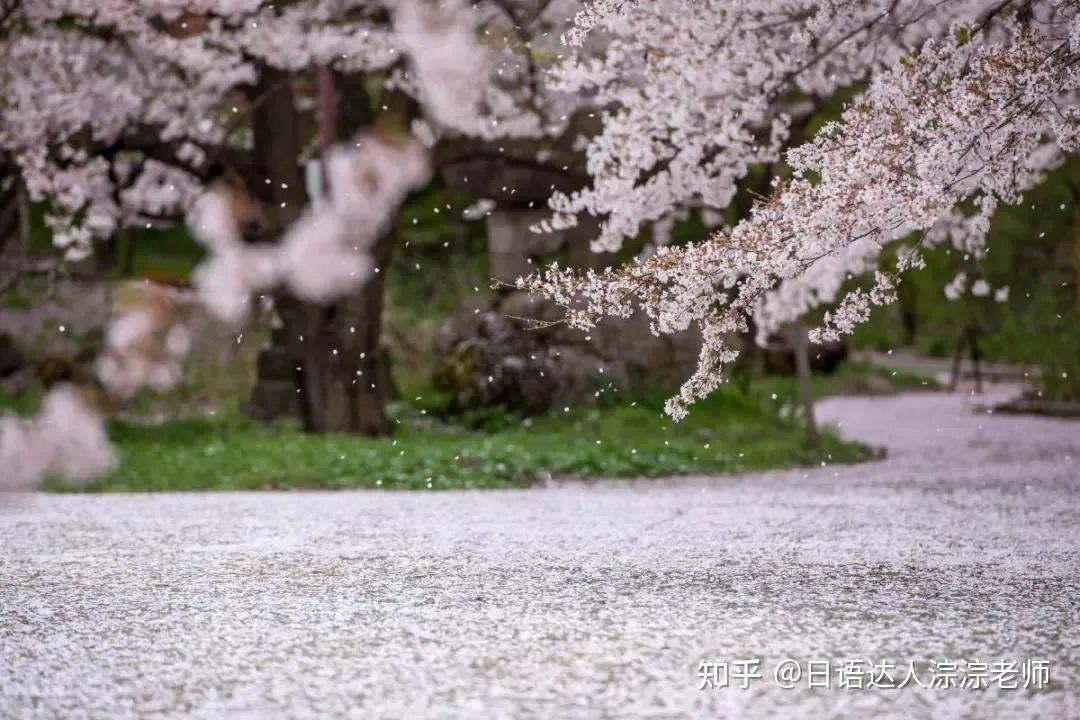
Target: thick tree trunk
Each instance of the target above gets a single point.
(277, 177)
(755, 354)
(324, 363)
(340, 370)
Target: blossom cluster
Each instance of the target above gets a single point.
(66, 438)
(974, 114)
(113, 111)
(325, 254)
(699, 91)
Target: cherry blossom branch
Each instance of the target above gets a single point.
(888, 169)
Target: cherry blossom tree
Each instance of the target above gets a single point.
(121, 113)
(125, 113)
(956, 108)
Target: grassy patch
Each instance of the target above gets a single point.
(26, 403)
(732, 431)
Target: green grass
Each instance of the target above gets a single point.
(162, 253)
(730, 432)
(25, 404)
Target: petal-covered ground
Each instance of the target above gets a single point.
(599, 600)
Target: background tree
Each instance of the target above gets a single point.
(120, 114)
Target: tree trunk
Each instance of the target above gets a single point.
(324, 363)
(806, 393)
(976, 357)
(127, 261)
(907, 302)
(277, 177)
(109, 252)
(340, 370)
(958, 359)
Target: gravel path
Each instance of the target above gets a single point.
(584, 601)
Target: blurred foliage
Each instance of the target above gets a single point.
(1032, 252)
(440, 257)
(1046, 333)
(439, 263)
(166, 254)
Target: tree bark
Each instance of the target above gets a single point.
(969, 340)
(277, 177)
(755, 354)
(324, 363)
(339, 367)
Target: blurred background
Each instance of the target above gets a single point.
(475, 388)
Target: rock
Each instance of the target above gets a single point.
(825, 358)
(495, 358)
(78, 304)
(780, 358)
(514, 250)
(511, 243)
